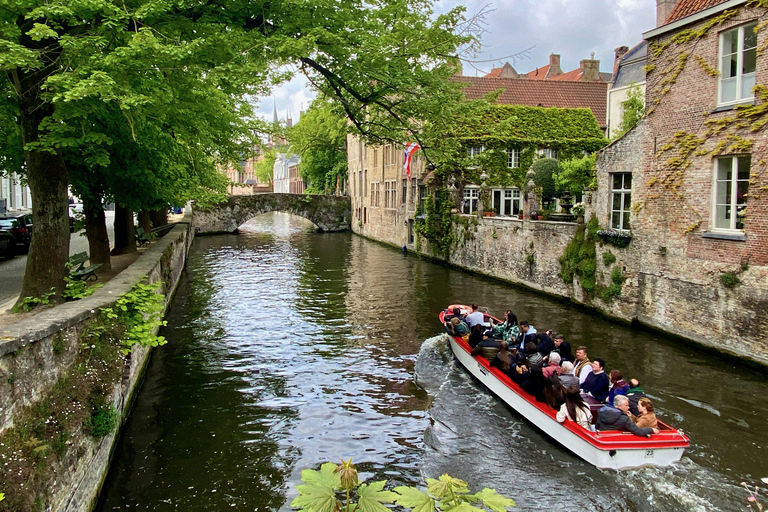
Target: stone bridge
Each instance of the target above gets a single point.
(328, 213)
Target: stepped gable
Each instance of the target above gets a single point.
(541, 93)
(688, 7)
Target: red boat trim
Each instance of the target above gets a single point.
(605, 440)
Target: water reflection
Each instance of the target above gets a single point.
(289, 348)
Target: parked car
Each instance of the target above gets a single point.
(19, 225)
(7, 245)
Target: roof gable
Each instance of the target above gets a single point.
(685, 8)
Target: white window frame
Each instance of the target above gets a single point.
(474, 150)
(733, 199)
(513, 158)
(512, 195)
(739, 65)
(471, 200)
(623, 208)
(549, 153)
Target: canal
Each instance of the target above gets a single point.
(287, 348)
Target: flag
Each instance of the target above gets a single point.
(410, 149)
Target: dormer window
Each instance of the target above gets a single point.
(738, 55)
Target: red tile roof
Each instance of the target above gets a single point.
(539, 73)
(688, 7)
(495, 72)
(541, 93)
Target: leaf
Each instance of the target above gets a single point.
(416, 500)
(442, 488)
(325, 477)
(461, 507)
(315, 498)
(371, 496)
(494, 500)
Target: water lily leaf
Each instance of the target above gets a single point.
(494, 500)
(416, 500)
(325, 477)
(315, 498)
(371, 496)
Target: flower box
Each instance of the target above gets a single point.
(615, 237)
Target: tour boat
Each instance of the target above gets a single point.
(605, 450)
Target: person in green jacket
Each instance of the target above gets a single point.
(509, 330)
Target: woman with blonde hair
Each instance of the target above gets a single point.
(647, 417)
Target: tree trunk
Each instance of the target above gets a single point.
(48, 180)
(159, 218)
(98, 238)
(145, 222)
(125, 236)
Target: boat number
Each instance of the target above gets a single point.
(482, 369)
(648, 454)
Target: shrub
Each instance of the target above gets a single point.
(729, 279)
(609, 259)
(544, 171)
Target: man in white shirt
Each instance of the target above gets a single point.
(582, 366)
(475, 317)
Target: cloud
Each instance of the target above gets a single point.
(572, 28)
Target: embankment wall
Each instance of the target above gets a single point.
(33, 358)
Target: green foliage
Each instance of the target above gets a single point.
(576, 175)
(264, 169)
(320, 139)
(615, 237)
(75, 289)
(729, 279)
(334, 488)
(545, 169)
(139, 310)
(609, 258)
(580, 257)
(436, 227)
(29, 303)
(633, 109)
(613, 290)
(103, 420)
(58, 345)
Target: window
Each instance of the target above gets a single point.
(411, 238)
(405, 191)
(550, 153)
(390, 194)
(471, 196)
(422, 199)
(375, 157)
(413, 191)
(738, 54)
(506, 202)
(474, 150)
(375, 194)
(513, 158)
(621, 199)
(731, 185)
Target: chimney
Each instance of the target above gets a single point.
(663, 9)
(554, 66)
(590, 69)
(619, 52)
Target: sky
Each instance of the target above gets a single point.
(572, 28)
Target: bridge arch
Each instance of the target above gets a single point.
(328, 213)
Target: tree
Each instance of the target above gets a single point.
(576, 175)
(385, 64)
(545, 169)
(632, 110)
(320, 139)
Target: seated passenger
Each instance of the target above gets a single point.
(475, 317)
(553, 365)
(457, 327)
(488, 348)
(454, 313)
(582, 366)
(647, 417)
(562, 347)
(544, 345)
(617, 418)
(554, 392)
(535, 384)
(618, 385)
(508, 330)
(521, 373)
(533, 356)
(503, 360)
(527, 333)
(575, 409)
(596, 383)
(635, 393)
(567, 378)
(476, 335)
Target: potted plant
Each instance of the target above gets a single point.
(545, 214)
(490, 212)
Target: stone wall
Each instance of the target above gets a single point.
(30, 365)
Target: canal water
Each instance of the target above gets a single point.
(288, 348)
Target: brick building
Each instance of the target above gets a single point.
(690, 180)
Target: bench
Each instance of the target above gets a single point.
(78, 270)
(141, 238)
